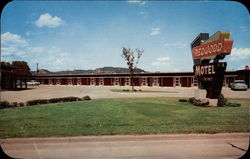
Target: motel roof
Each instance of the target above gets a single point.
(127, 74)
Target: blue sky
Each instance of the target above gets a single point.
(87, 35)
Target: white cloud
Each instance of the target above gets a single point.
(244, 28)
(36, 49)
(144, 14)
(28, 33)
(137, 1)
(59, 61)
(46, 20)
(178, 45)
(13, 44)
(5, 51)
(155, 31)
(143, 3)
(239, 54)
(9, 39)
(163, 59)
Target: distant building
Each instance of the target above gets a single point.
(157, 79)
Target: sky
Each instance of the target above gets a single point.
(64, 35)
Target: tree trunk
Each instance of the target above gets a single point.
(131, 79)
(132, 83)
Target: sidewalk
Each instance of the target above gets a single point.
(223, 145)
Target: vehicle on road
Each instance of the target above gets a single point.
(33, 82)
(239, 85)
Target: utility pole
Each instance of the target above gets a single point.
(37, 68)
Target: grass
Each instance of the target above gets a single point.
(141, 91)
(122, 116)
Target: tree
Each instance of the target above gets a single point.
(5, 65)
(132, 61)
(21, 67)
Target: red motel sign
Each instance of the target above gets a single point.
(212, 49)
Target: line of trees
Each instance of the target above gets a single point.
(19, 67)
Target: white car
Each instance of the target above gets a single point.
(239, 85)
(33, 82)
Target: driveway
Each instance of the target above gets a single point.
(99, 92)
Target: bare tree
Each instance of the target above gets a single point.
(132, 61)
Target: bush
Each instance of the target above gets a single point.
(127, 90)
(182, 100)
(191, 100)
(21, 104)
(37, 101)
(198, 102)
(64, 99)
(55, 100)
(221, 100)
(71, 99)
(86, 98)
(4, 104)
(229, 104)
(14, 104)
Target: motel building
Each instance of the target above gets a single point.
(163, 79)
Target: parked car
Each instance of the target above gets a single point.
(18, 83)
(239, 85)
(33, 82)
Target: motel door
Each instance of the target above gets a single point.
(186, 81)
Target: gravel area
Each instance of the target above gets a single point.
(99, 92)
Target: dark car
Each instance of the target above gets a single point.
(239, 85)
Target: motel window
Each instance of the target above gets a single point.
(92, 81)
(116, 81)
(177, 81)
(79, 82)
(70, 81)
(58, 82)
(127, 81)
(101, 81)
(144, 81)
(155, 82)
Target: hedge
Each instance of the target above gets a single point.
(36, 101)
(6, 104)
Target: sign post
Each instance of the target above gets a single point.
(206, 53)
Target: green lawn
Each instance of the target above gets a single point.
(122, 116)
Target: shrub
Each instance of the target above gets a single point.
(221, 100)
(64, 99)
(37, 101)
(71, 99)
(182, 100)
(191, 100)
(55, 100)
(125, 90)
(229, 104)
(198, 102)
(14, 104)
(86, 98)
(4, 104)
(21, 104)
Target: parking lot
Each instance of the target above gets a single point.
(99, 92)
